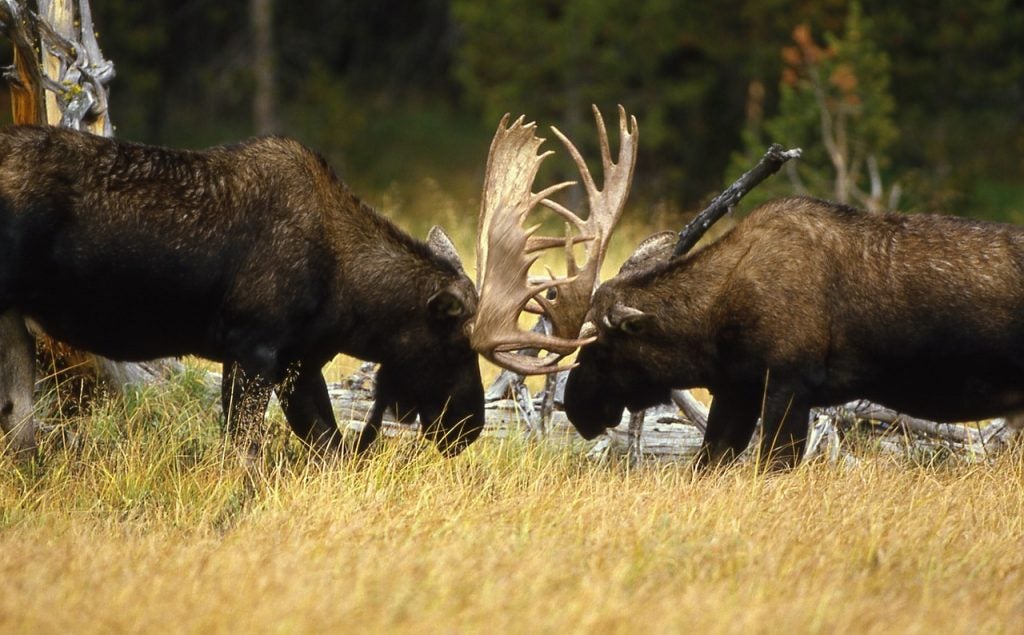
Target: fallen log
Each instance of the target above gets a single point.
(674, 432)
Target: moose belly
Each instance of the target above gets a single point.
(131, 336)
(138, 323)
(971, 390)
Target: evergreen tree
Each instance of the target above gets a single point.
(834, 102)
(664, 61)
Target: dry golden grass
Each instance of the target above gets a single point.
(138, 518)
(146, 523)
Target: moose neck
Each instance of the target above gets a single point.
(693, 290)
(389, 278)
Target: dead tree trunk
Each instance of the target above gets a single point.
(60, 78)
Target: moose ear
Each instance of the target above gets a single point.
(656, 247)
(443, 247)
(447, 304)
(628, 320)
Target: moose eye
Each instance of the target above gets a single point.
(633, 326)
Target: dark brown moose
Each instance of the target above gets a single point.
(255, 255)
(810, 303)
(804, 303)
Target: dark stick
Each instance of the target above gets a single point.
(769, 164)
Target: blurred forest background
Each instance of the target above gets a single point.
(915, 104)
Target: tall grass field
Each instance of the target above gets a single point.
(138, 517)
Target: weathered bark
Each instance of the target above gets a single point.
(17, 380)
(695, 411)
(60, 78)
(769, 164)
(635, 445)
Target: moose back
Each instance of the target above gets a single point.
(809, 303)
(254, 255)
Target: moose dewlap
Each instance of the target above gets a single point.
(255, 255)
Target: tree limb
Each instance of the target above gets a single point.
(769, 164)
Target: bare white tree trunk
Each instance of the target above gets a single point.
(17, 381)
(60, 78)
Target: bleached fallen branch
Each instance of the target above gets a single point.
(976, 438)
(695, 411)
(675, 432)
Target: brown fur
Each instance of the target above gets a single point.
(253, 254)
(809, 303)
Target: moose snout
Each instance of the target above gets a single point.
(590, 410)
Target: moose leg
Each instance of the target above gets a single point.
(385, 395)
(17, 382)
(372, 427)
(784, 429)
(307, 406)
(244, 398)
(731, 422)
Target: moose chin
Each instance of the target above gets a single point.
(254, 255)
(809, 303)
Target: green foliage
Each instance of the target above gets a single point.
(835, 104)
(701, 77)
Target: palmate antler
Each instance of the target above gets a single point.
(506, 250)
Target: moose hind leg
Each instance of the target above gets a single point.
(307, 407)
(17, 383)
(244, 398)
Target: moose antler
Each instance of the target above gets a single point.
(506, 250)
(568, 309)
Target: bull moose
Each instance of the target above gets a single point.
(811, 303)
(804, 303)
(254, 255)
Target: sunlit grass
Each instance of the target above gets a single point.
(140, 518)
(143, 520)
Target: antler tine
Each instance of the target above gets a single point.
(543, 195)
(540, 243)
(602, 133)
(506, 251)
(532, 365)
(564, 212)
(581, 164)
(606, 205)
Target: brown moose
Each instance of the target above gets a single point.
(810, 303)
(804, 303)
(255, 255)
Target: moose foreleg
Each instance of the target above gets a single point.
(307, 407)
(244, 398)
(784, 426)
(731, 422)
(385, 396)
